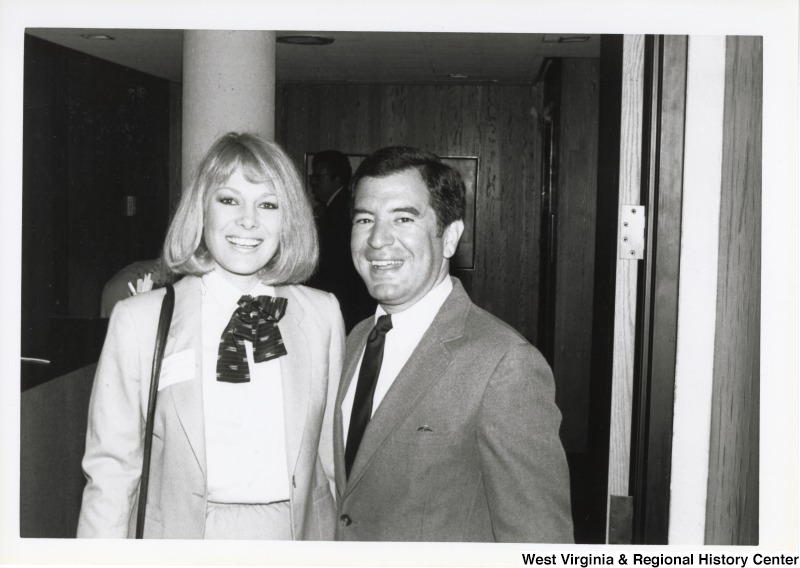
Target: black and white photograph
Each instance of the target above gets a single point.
(411, 284)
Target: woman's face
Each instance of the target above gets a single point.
(242, 228)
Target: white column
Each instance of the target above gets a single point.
(228, 84)
(697, 304)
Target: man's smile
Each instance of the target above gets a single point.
(386, 264)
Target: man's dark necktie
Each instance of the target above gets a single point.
(365, 389)
(255, 320)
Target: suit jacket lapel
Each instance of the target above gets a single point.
(426, 365)
(295, 375)
(184, 333)
(355, 345)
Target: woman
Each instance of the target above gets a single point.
(242, 440)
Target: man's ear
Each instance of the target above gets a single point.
(452, 233)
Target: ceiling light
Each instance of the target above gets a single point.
(305, 40)
(573, 39)
(552, 38)
(98, 36)
(458, 76)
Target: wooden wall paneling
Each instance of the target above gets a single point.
(733, 481)
(394, 116)
(315, 128)
(489, 235)
(530, 206)
(375, 139)
(450, 126)
(291, 128)
(320, 116)
(627, 270)
(303, 123)
(424, 117)
(576, 211)
(366, 124)
(346, 122)
(455, 120)
(521, 177)
(505, 284)
(464, 137)
(333, 123)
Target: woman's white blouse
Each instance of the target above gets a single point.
(244, 422)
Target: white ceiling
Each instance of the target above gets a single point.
(361, 57)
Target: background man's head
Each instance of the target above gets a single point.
(330, 170)
(408, 215)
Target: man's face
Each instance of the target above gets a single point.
(395, 243)
(323, 182)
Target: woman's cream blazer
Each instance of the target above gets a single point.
(313, 333)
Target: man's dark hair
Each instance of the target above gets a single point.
(338, 164)
(446, 189)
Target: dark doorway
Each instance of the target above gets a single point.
(580, 141)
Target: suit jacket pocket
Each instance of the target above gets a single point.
(425, 436)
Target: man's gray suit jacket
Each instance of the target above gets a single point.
(464, 446)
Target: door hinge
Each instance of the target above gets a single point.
(632, 221)
(620, 519)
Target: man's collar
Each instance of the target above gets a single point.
(428, 304)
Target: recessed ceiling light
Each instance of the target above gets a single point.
(573, 39)
(305, 40)
(98, 36)
(552, 38)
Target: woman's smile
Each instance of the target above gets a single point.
(244, 243)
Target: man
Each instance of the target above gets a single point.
(458, 438)
(330, 176)
(135, 278)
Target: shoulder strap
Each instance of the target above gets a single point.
(164, 320)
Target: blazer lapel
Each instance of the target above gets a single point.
(426, 365)
(184, 334)
(355, 345)
(295, 375)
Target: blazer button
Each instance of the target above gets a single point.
(345, 521)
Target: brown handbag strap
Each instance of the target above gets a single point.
(164, 320)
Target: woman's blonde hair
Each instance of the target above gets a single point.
(260, 160)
